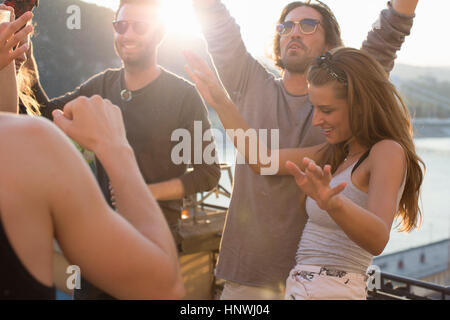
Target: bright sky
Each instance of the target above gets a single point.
(428, 44)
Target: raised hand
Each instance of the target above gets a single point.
(205, 81)
(10, 37)
(95, 123)
(315, 183)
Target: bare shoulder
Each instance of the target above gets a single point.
(31, 145)
(20, 126)
(17, 129)
(389, 152)
(387, 147)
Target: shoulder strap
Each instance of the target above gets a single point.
(363, 157)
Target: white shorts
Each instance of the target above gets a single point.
(317, 283)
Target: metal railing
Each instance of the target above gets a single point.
(197, 206)
(391, 287)
(394, 287)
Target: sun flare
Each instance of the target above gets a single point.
(179, 17)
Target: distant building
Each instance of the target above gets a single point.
(428, 263)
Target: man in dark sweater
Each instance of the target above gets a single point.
(154, 103)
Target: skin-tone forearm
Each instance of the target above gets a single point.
(133, 199)
(407, 7)
(368, 227)
(167, 190)
(84, 121)
(258, 156)
(362, 226)
(232, 120)
(229, 115)
(8, 89)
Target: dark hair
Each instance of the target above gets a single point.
(329, 23)
(155, 3)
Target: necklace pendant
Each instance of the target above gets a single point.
(126, 95)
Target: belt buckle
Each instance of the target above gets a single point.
(333, 273)
(305, 275)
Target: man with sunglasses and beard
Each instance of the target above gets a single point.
(265, 218)
(154, 103)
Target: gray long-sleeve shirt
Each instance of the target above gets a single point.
(265, 221)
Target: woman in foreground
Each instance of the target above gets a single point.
(360, 180)
(47, 191)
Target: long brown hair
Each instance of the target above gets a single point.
(376, 112)
(25, 93)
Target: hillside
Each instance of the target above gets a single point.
(66, 58)
(408, 72)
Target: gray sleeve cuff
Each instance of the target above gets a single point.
(387, 36)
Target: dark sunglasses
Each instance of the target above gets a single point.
(307, 26)
(139, 27)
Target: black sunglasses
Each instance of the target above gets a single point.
(139, 27)
(307, 26)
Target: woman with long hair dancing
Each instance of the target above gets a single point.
(364, 176)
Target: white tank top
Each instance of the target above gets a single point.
(324, 243)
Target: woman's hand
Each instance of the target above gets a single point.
(10, 37)
(205, 81)
(315, 183)
(95, 123)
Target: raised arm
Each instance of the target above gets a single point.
(10, 37)
(131, 255)
(236, 67)
(389, 32)
(257, 155)
(406, 7)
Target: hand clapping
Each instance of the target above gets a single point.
(95, 123)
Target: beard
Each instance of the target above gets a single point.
(297, 63)
(140, 59)
(300, 61)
